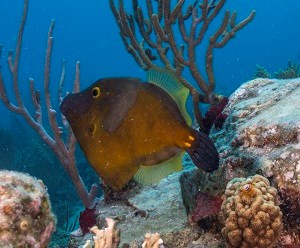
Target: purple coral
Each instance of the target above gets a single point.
(214, 116)
(26, 219)
(87, 219)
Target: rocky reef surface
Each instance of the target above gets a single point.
(260, 136)
(154, 208)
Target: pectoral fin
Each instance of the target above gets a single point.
(122, 103)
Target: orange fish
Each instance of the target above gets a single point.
(133, 129)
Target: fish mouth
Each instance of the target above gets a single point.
(74, 106)
(65, 105)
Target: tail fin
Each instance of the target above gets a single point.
(204, 153)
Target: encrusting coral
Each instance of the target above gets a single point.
(26, 219)
(251, 213)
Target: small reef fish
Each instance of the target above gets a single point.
(133, 129)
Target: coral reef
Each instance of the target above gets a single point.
(292, 71)
(26, 219)
(261, 72)
(251, 213)
(251, 141)
(261, 135)
(164, 209)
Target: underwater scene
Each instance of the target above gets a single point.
(150, 124)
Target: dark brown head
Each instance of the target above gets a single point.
(83, 109)
(89, 107)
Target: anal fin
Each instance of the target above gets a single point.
(152, 174)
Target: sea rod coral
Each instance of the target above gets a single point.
(64, 150)
(26, 219)
(157, 30)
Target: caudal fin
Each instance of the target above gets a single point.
(204, 153)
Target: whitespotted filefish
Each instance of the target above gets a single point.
(133, 129)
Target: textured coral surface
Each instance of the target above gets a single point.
(26, 219)
(262, 135)
(251, 212)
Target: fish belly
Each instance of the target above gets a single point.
(148, 135)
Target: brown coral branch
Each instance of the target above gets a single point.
(199, 17)
(209, 51)
(227, 35)
(76, 88)
(65, 152)
(234, 28)
(14, 64)
(36, 100)
(131, 36)
(61, 82)
(176, 11)
(142, 22)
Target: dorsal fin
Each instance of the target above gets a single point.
(166, 80)
(152, 174)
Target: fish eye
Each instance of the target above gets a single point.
(96, 92)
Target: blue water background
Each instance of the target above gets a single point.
(86, 31)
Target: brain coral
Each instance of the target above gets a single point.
(251, 213)
(26, 219)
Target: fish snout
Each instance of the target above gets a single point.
(74, 106)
